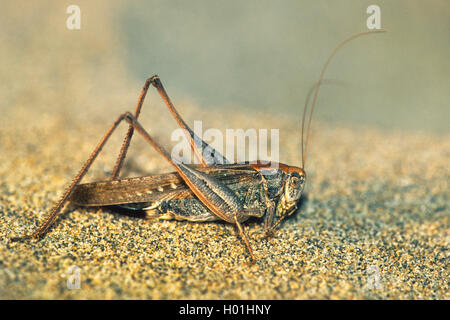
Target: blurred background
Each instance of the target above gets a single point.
(261, 56)
(378, 178)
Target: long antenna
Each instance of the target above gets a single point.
(316, 92)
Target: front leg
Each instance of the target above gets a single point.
(269, 204)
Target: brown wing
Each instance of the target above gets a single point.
(167, 186)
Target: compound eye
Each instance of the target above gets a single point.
(294, 182)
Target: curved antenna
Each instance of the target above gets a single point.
(316, 92)
(305, 108)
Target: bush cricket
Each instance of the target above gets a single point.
(214, 190)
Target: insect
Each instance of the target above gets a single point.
(214, 190)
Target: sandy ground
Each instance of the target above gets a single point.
(373, 223)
